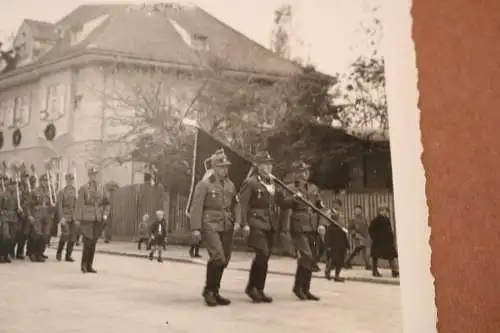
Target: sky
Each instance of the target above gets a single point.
(325, 32)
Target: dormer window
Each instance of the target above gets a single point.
(200, 42)
(76, 35)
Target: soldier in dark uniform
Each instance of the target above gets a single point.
(214, 211)
(303, 225)
(66, 205)
(36, 212)
(23, 226)
(258, 199)
(8, 221)
(90, 214)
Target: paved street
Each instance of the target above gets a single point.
(239, 261)
(136, 295)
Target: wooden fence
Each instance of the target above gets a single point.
(130, 203)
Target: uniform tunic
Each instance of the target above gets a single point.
(214, 210)
(39, 205)
(89, 210)
(302, 222)
(66, 207)
(9, 215)
(259, 211)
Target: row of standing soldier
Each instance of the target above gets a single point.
(27, 211)
(260, 211)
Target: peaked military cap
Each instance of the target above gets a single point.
(92, 171)
(263, 157)
(298, 166)
(219, 158)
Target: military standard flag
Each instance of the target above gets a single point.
(204, 147)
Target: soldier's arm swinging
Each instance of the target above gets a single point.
(197, 206)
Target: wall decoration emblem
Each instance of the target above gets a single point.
(17, 136)
(50, 132)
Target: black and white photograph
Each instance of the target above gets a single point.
(174, 166)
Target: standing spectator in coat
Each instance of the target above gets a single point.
(143, 232)
(383, 246)
(158, 232)
(358, 227)
(336, 243)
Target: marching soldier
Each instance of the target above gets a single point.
(9, 219)
(214, 209)
(303, 225)
(90, 214)
(66, 205)
(258, 199)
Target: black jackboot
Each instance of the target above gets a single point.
(90, 262)
(69, 252)
(210, 286)
(60, 247)
(307, 286)
(261, 282)
(298, 286)
(220, 299)
(251, 289)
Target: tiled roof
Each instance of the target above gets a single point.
(131, 31)
(41, 30)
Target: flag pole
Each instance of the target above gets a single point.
(254, 165)
(193, 170)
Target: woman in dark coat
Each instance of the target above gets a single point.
(383, 246)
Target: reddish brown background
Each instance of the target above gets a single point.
(458, 58)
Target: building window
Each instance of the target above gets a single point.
(21, 114)
(76, 35)
(5, 110)
(54, 100)
(200, 42)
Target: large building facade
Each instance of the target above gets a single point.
(55, 101)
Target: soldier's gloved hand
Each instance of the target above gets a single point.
(321, 230)
(63, 221)
(196, 234)
(105, 217)
(298, 195)
(236, 227)
(77, 223)
(246, 231)
(31, 218)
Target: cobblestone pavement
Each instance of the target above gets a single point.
(240, 261)
(136, 295)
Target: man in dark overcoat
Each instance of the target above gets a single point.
(66, 208)
(336, 243)
(383, 245)
(90, 213)
(259, 218)
(213, 213)
(303, 224)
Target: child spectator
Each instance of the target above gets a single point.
(142, 232)
(158, 232)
